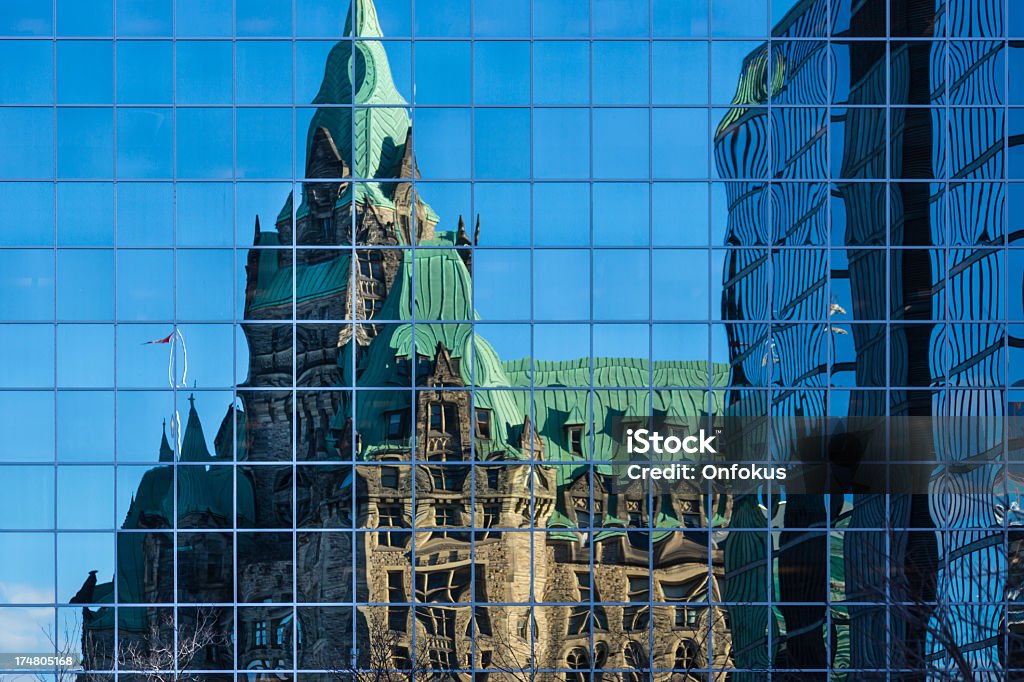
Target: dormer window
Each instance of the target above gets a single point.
(574, 436)
(483, 423)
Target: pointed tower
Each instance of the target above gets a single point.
(166, 451)
(367, 142)
(193, 444)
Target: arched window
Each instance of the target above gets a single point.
(577, 662)
(636, 661)
(688, 655)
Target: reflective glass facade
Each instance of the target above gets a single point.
(322, 320)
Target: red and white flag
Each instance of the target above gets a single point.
(166, 339)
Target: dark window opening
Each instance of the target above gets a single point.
(483, 424)
(575, 439)
(389, 477)
(396, 424)
(443, 418)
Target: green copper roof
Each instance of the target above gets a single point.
(371, 136)
(442, 292)
(274, 284)
(358, 72)
(618, 372)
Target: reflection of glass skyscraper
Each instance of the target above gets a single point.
(891, 153)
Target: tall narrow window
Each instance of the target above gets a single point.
(483, 423)
(635, 614)
(395, 424)
(397, 615)
(636, 661)
(442, 418)
(581, 616)
(260, 633)
(390, 517)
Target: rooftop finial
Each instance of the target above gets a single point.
(166, 453)
(364, 16)
(461, 238)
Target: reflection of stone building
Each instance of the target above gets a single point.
(504, 547)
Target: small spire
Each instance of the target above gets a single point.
(476, 232)
(256, 231)
(193, 444)
(166, 452)
(461, 238)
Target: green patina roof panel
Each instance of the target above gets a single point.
(274, 286)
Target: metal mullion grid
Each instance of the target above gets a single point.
(400, 38)
(114, 98)
(472, 663)
(235, 243)
(830, 356)
(56, 350)
(174, 296)
(591, 532)
(770, 389)
(414, 242)
(649, 502)
(436, 247)
(946, 532)
(355, 537)
(531, 404)
(1005, 492)
(295, 352)
(329, 105)
(947, 161)
(887, 272)
(709, 327)
(709, 650)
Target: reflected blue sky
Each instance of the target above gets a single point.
(616, 214)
